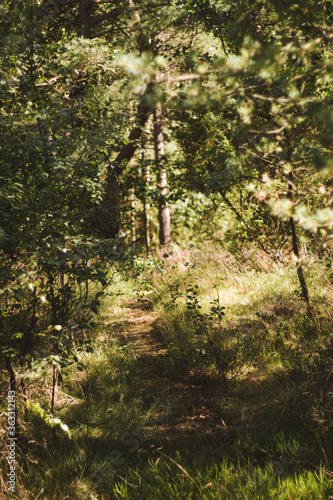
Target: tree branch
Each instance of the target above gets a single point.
(182, 78)
(102, 17)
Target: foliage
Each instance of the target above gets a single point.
(53, 138)
(51, 421)
(245, 90)
(254, 122)
(209, 343)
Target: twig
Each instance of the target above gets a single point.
(49, 82)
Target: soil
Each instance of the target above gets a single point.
(189, 407)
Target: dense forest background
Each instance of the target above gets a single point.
(166, 268)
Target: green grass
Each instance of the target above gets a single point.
(237, 408)
(169, 479)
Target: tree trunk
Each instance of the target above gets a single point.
(85, 18)
(109, 225)
(111, 213)
(133, 221)
(12, 378)
(146, 181)
(109, 221)
(300, 272)
(163, 209)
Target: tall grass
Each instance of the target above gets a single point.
(168, 479)
(263, 299)
(236, 406)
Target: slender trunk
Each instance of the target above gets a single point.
(12, 378)
(163, 209)
(133, 218)
(56, 338)
(54, 386)
(133, 228)
(300, 272)
(24, 396)
(110, 224)
(146, 180)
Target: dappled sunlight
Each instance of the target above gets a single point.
(166, 262)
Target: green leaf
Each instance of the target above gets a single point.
(19, 296)
(93, 306)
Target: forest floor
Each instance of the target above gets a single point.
(154, 416)
(188, 414)
(262, 432)
(194, 419)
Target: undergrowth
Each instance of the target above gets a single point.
(236, 403)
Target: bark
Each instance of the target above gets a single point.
(146, 180)
(103, 17)
(24, 397)
(12, 378)
(110, 224)
(300, 272)
(87, 21)
(85, 17)
(163, 209)
(133, 225)
(54, 387)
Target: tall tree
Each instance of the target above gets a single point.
(163, 206)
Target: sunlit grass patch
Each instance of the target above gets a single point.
(169, 478)
(112, 305)
(247, 294)
(108, 376)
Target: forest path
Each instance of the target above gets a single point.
(137, 327)
(187, 408)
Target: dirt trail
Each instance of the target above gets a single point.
(188, 407)
(138, 327)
